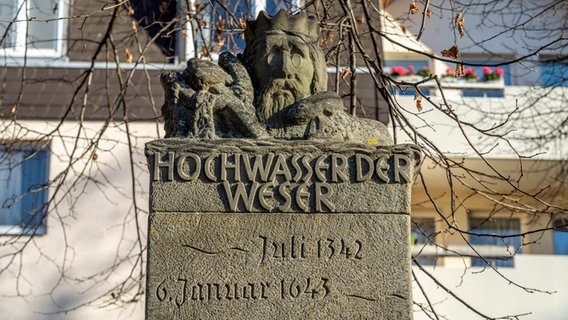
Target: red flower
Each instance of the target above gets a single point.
(398, 71)
(499, 71)
(487, 70)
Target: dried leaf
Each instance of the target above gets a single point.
(428, 12)
(414, 8)
(403, 27)
(199, 7)
(460, 23)
(13, 110)
(459, 70)
(328, 37)
(127, 55)
(134, 27)
(219, 29)
(219, 45)
(360, 20)
(345, 73)
(453, 52)
(242, 24)
(164, 7)
(203, 24)
(204, 52)
(184, 32)
(95, 157)
(419, 103)
(130, 11)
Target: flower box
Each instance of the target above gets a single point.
(413, 78)
(474, 85)
(449, 80)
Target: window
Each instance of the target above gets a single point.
(23, 189)
(560, 239)
(554, 72)
(479, 70)
(31, 27)
(216, 25)
(490, 235)
(221, 20)
(273, 6)
(222, 29)
(422, 233)
(560, 235)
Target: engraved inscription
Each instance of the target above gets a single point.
(330, 248)
(315, 288)
(281, 183)
(182, 291)
(298, 248)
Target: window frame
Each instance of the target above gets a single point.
(560, 235)
(21, 47)
(548, 64)
(506, 243)
(31, 150)
(422, 238)
(186, 48)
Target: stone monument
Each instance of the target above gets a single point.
(269, 201)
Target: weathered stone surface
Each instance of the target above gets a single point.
(275, 89)
(199, 176)
(337, 248)
(260, 228)
(279, 266)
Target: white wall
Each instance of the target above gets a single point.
(93, 227)
(536, 113)
(493, 295)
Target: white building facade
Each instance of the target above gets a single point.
(75, 183)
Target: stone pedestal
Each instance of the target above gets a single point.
(251, 229)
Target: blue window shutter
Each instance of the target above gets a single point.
(24, 176)
(10, 187)
(35, 178)
(560, 242)
(554, 74)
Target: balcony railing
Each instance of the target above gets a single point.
(452, 87)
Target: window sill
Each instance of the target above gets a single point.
(475, 85)
(453, 83)
(456, 87)
(486, 251)
(19, 231)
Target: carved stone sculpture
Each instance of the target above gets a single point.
(275, 89)
(274, 227)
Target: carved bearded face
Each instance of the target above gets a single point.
(285, 72)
